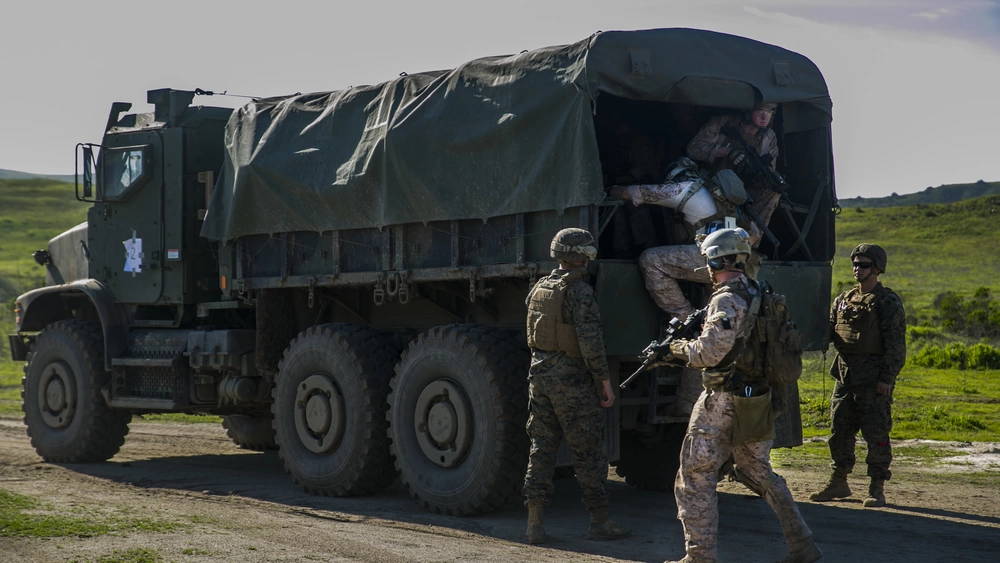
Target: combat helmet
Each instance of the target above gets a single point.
(573, 245)
(873, 251)
(722, 243)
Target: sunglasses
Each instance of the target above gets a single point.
(862, 265)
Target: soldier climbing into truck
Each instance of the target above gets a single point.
(710, 199)
(342, 275)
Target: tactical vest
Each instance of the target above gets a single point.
(742, 365)
(856, 323)
(545, 326)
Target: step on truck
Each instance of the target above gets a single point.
(341, 275)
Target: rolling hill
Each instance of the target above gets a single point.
(17, 175)
(947, 193)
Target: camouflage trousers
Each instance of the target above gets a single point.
(861, 408)
(689, 388)
(706, 447)
(566, 406)
(662, 266)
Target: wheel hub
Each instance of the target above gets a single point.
(57, 395)
(319, 414)
(443, 420)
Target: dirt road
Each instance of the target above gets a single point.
(234, 505)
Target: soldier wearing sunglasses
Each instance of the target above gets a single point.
(868, 329)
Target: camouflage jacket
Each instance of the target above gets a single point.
(724, 321)
(710, 138)
(579, 309)
(890, 324)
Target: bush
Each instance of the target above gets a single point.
(977, 316)
(923, 332)
(983, 356)
(958, 356)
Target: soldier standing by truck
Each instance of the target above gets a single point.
(868, 329)
(733, 416)
(569, 371)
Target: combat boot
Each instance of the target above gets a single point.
(837, 487)
(876, 493)
(802, 550)
(603, 528)
(535, 531)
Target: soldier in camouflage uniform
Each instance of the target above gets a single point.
(733, 416)
(568, 383)
(868, 329)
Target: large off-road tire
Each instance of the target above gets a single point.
(67, 418)
(250, 432)
(329, 403)
(457, 413)
(650, 461)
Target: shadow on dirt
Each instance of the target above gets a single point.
(749, 531)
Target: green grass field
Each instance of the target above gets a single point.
(932, 249)
(31, 212)
(935, 404)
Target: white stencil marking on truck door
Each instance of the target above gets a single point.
(133, 255)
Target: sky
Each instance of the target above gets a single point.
(915, 83)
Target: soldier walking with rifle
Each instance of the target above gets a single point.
(733, 415)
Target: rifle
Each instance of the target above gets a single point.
(752, 167)
(755, 170)
(676, 329)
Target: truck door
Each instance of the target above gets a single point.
(126, 221)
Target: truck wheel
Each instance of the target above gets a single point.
(457, 412)
(650, 462)
(67, 418)
(329, 403)
(250, 432)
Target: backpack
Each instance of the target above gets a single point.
(778, 339)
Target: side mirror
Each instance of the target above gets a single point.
(86, 151)
(88, 172)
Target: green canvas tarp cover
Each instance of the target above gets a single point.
(496, 136)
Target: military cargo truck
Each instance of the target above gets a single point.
(341, 275)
